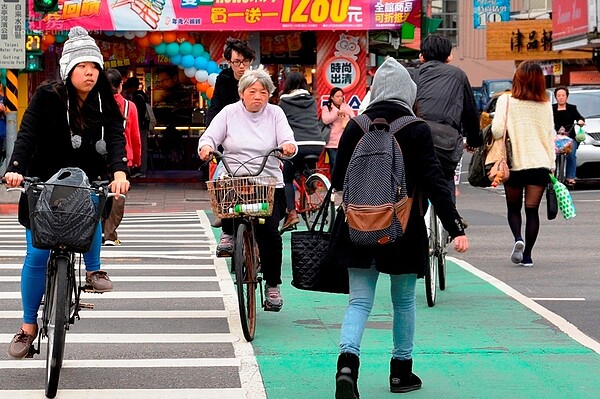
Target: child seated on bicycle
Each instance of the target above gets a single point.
(247, 130)
(300, 108)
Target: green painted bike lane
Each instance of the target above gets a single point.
(477, 342)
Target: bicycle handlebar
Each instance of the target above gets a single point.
(98, 186)
(220, 157)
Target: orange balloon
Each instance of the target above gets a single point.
(143, 42)
(48, 39)
(210, 91)
(181, 36)
(155, 38)
(202, 86)
(169, 36)
(191, 40)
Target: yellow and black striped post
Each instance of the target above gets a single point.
(11, 90)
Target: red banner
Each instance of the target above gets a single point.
(569, 18)
(228, 15)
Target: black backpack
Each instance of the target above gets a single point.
(375, 199)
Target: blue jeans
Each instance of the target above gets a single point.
(572, 162)
(33, 274)
(362, 294)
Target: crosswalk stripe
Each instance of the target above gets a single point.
(166, 279)
(120, 363)
(73, 338)
(124, 266)
(139, 314)
(214, 393)
(134, 295)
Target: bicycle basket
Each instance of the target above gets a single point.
(64, 216)
(236, 196)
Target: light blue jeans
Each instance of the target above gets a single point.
(33, 274)
(572, 162)
(362, 294)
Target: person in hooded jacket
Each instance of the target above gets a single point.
(300, 108)
(392, 96)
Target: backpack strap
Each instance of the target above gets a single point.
(125, 113)
(402, 122)
(363, 121)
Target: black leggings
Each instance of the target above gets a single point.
(270, 244)
(514, 203)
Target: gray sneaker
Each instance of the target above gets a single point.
(517, 253)
(225, 247)
(274, 301)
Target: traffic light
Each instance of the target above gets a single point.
(45, 5)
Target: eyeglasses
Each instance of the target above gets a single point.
(237, 63)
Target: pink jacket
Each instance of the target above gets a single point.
(133, 140)
(336, 122)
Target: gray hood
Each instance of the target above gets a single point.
(393, 83)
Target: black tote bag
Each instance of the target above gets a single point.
(551, 202)
(315, 266)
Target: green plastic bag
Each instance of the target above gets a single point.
(564, 199)
(580, 136)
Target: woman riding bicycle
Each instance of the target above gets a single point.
(565, 115)
(300, 108)
(247, 130)
(73, 122)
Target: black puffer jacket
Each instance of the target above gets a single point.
(300, 108)
(444, 95)
(226, 92)
(423, 176)
(43, 145)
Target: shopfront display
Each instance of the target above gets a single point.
(176, 50)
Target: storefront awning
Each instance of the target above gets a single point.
(228, 15)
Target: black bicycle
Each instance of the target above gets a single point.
(64, 217)
(247, 198)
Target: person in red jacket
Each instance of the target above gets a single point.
(133, 145)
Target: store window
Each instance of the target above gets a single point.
(447, 11)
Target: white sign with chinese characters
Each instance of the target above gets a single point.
(12, 34)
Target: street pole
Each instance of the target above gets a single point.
(11, 136)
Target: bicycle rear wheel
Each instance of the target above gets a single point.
(316, 186)
(432, 271)
(246, 279)
(57, 305)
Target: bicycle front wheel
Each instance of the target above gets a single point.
(317, 186)
(58, 302)
(246, 279)
(432, 271)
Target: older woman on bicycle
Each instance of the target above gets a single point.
(247, 130)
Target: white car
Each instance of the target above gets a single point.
(587, 100)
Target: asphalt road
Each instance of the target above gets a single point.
(565, 276)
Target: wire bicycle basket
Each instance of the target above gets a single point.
(242, 196)
(64, 211)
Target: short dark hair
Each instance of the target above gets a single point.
(239, 46)
(294, 81)
(561, 88)
(436, 47)
(114, 77)
(132, 82)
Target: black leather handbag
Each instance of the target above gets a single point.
(314, 264)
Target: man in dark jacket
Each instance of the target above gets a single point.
(446, 101)
(240, 56)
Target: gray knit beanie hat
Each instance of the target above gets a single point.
(79, 47)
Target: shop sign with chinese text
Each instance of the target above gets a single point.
(524, 40)
(238, 15)
(12, 34)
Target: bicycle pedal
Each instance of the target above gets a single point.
(83, 305)
(267, 308)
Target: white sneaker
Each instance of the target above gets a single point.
(273, 301)
(517, 252)
(111, 243)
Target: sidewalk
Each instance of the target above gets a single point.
(477, 342)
